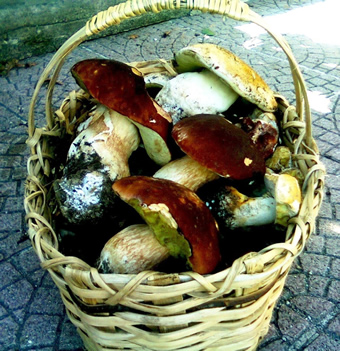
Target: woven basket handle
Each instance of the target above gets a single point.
(235, 9)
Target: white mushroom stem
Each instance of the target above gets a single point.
(287, 193)
(238, 210)
(187, 172)
(194, 93)
(111, 136)
(132, 250)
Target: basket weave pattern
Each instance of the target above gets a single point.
(228, 310)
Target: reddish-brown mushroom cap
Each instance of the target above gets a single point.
(173, 212)
(219, 145)
(122, 88)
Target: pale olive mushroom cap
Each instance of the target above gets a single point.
(287, 193)
(229, 67)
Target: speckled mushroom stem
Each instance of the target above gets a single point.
(132, 250)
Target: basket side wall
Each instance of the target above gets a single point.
(36, 27)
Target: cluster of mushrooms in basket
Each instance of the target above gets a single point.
(175, 171)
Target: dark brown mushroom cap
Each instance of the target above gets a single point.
(167, 206)
(219, 145)
(121, 88)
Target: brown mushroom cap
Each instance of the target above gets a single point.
(219, 145)
(174, 212)
(121, 88)
(230, 68)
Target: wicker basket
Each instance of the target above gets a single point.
(228, 310)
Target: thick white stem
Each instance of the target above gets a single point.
(254, 212)
(286, 191)
(97, 157)
(187, 172)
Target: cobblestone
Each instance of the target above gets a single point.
(8, 333)
(334, 326)
(39, 331)
(17, 295)
(321, 341)
(46, 301)
(318, 285)
(313, 306)
(335, 268)
(8, 274)
(315, 264)
(307, 315)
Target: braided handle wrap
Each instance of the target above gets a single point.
(235, 9)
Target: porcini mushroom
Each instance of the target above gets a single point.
(214, 148)
(132, 250)
(273, 202)
(193, 93)
(242, 78)
(122, 88)
(97, 157)
(177, 216)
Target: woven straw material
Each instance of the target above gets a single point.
(228, 310)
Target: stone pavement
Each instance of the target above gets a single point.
(307, 316)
